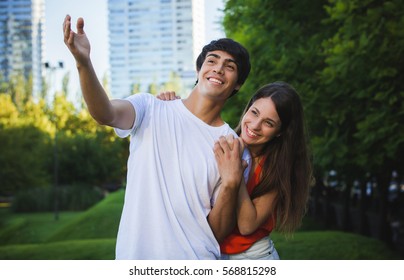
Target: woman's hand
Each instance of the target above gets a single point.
(228, 151)
(167, 96)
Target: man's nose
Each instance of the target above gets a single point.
(219, 68)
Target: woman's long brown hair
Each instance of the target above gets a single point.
(287, 166)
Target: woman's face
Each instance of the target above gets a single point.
(260, 124)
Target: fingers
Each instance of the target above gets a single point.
(222, 145)
(80, 26)
(67, 31)
(229, 146)
(217, 149)
(167, 95)
(66, 28)
(230, 141)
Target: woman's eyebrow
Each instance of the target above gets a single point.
(258, 111)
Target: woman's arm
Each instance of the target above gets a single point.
(222, 217)
(251, 214)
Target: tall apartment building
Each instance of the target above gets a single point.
(21, 39)
(151, 39)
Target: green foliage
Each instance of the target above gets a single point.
(364, 80)
(9, 112)
(20, 89)
(174, 83)
(25, 145)
(283, 41)
(346, 60)
(36, 138)
(24, 158)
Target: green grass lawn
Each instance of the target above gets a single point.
(91, 235)
(32, 227)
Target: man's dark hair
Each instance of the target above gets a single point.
(233, 48)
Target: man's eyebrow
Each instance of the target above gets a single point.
(218, 56)
(213, 54)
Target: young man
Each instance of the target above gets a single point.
(173, 207)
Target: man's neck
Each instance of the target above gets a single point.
(206, 109)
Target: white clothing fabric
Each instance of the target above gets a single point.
(171, 183)
(263, 249)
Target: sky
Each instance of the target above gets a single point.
(94, 13)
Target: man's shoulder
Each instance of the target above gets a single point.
(140, 95)
(142, 100)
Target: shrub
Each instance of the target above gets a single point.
(66, 198)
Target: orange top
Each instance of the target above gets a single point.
(236, 243)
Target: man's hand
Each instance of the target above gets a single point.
(77, 43)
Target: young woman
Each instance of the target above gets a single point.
(276, 193)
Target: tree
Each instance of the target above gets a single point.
(346, 60)
(24, 148)
(174, 83)
(284, 40)
(135, 88)
(365, 82)
(20, 89)
(65, 84)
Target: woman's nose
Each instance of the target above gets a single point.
(255, 125)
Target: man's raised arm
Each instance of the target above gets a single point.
(115, 113)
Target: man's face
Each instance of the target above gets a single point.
(218, 75)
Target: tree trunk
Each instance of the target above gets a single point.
(347, 222)
(363, 206)
(383, 181)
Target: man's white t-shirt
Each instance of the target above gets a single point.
(171, 183)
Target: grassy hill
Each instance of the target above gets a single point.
(101, 221)
(91, 235)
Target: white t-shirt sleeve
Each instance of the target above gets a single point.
(140, 103)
